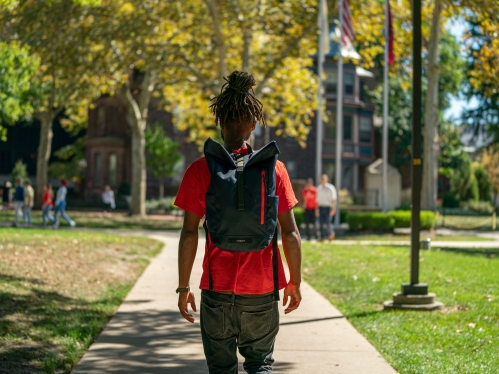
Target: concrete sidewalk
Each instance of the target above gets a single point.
(148, 335)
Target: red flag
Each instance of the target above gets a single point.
(391, 54)
(347, 30)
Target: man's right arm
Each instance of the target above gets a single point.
(187, 249)
(291, 243)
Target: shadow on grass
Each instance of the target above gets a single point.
(482, 252)
(45, 331)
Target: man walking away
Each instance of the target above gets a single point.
(19, 195)
(309, 204)
(326, 207)
(60, 204)
(47, 204)
(29, 201)
(240, 288)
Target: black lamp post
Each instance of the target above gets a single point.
(415, 295)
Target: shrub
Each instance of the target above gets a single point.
(484, 186)
(449, 200)
(388, 221)
(479, 206)
(299, 215)
(370, 221)
(164, 204)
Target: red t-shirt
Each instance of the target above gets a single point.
(47, 199)
(310, 195)
(238, 272)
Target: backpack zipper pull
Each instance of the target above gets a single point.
(262, 201)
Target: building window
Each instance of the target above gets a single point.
(179, 169)
(291, 166)
(330, 125)
(365, 129)
(258, 129)
(113, 161)
(331, 82)
(347, 127)
(101, 119)
(98, 169)
(349, 83)
(362, 91)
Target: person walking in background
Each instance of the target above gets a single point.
(60, 204)
(47, 204)
(326, 207)
(309, 204)
(29, 201)
(19, 195)
(6, 195)
(108, 199)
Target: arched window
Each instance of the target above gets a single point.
(113, 163)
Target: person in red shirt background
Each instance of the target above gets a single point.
(309, 204)
(240, 310)
(47, 204)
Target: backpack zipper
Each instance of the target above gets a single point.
(262, 210)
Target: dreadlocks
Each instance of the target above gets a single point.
(237, 104)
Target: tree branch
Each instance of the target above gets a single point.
(284, 53)
(222, 67)
(146, 90)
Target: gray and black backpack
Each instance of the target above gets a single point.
(241, 205)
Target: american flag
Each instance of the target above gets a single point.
(391, 37)
(347, 31)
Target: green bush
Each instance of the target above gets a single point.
(449, 200)
(299, 215)
(484, 186)
(370, 221)
(479, 206)
(388, 221)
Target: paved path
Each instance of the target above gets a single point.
(148, 335)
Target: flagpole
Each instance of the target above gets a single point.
(320, 69)
(384, 183)
(339, 119)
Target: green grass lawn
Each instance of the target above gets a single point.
(407, 238)
(462, 338)
(114, 220)
(58, 289)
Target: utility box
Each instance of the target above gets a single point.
(374, 185)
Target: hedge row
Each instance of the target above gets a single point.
(388, 221)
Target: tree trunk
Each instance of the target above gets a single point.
(161, 187)
(431, 139)
(138, 169)
(44, 150)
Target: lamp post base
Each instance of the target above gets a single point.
(413, 302)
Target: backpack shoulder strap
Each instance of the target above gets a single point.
(268, 151)
(215, 150)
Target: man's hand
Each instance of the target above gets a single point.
(291, 291)
(185, 298)
(332, 212)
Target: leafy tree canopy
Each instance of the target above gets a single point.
(17, 68)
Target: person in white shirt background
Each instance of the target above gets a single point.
(60, 204)
(326, 207)
(108, 199)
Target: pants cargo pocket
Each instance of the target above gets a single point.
(212, 320)
(255, 325)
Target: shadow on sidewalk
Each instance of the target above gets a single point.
(150, 342)
(138, 342)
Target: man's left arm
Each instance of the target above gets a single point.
(187, 249)
(333, 202)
